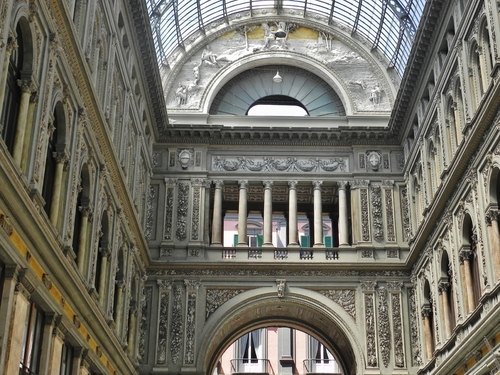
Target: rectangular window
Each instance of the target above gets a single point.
(32, 344)
(66, 359)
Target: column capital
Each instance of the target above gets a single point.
(11, 43)
(105, 251)
(426, 311)
(293, 184)
(243, 184)
(491, 215)
(170, 181)
(464, 254)
(443, 285)
(218, 184)
(26, 85)
(86, 211)
(268, 184)
(317, 184)
(342, 184)
(61, 156)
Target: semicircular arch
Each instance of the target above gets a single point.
(318, 317)
(288, 60)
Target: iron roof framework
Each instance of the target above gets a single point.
(390, 25)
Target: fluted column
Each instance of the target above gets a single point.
(61, 160)
(268, 214)
(217, 214)
(343, 215)
(104, 276)
(429, 344)
(11, 46)
(82, 241)
(242, 214)
(318, 215)
(494, 237)
(292, 214)
(26, 90)
(443, 287)
(464, 256)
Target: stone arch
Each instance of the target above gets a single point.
(256, 84)
(276, 58)
(494, 186)
(318, 316)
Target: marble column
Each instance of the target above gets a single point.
(217, 214)
(343, 215)
(268, 214)
(29, 127)
(26, 89)
(494, 239)
(104, 276)
(292, 215)
(318, 215)
(429, 341)
(132, 330)
(61, 160)
(443, 287)
(120, 284)
(242, 214)
(82, 241)
(467, 278)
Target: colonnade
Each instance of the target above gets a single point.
(292, 222)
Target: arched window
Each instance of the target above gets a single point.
(470, 260)
(12, 95)
(51, 158)
(446, 291)
(82, 211)
(428, 317)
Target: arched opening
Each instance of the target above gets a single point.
(447, 291)
(277, 105)
(260, 86)
(470, 258)
(428, 318)
(278, 350)
(331, 335)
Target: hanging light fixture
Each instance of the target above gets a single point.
(277, 78)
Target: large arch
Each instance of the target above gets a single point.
(318, 316)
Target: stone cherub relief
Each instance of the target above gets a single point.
(366, 90)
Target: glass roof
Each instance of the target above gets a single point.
(390, 25)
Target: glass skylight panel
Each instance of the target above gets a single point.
(389, 24)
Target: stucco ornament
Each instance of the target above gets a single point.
(184, 158)
(373, 160)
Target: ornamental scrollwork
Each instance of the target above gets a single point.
(384, 328)
(217, 297)
(346, 298)
(182, 211)
(271, 164)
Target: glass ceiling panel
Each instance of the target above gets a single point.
(390, 25)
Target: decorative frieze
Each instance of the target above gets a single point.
(384, 329)
(346, 298)
(217, 297)
(189, 272)
(276, 165)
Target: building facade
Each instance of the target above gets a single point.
(163, 208)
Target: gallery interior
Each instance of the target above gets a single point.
(260, 187)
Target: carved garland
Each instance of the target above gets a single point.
(182, 211)
(161, 351)
(384, 331)
(190, 328)
(397, 324)
(378, 225)
(346, 298)
(169, 210)
(389, 215)
(143, 328)
(406, 214)
(217, 297)
(270, 164)
(371, 346)
(150, 213)
(177, 325)
(196, 212)
(365, 231)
